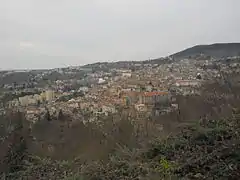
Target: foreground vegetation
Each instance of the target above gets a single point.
(206, 148)
(200, 151)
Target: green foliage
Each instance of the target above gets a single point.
(165, 164)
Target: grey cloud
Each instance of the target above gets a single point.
(76, 32)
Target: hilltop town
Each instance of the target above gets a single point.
(87, 93)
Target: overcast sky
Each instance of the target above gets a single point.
(57, 33)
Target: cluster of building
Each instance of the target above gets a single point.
(148, 88)
(33, 100)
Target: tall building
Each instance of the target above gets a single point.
(153, 97)
(49, 95)
(24, 101)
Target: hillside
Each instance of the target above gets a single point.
(201, 141)
(215, 50)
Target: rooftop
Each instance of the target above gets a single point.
(155, 93)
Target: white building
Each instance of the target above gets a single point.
(126, 74)
(188, 83)
(83, 89)
(101, 81)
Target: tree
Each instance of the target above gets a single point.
(60, 115)
(47, 115)
(17, 145)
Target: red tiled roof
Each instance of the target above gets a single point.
(155, 93)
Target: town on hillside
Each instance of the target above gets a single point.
(87, 93)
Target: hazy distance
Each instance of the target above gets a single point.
(57, 33)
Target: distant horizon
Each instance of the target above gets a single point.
(32, 69)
